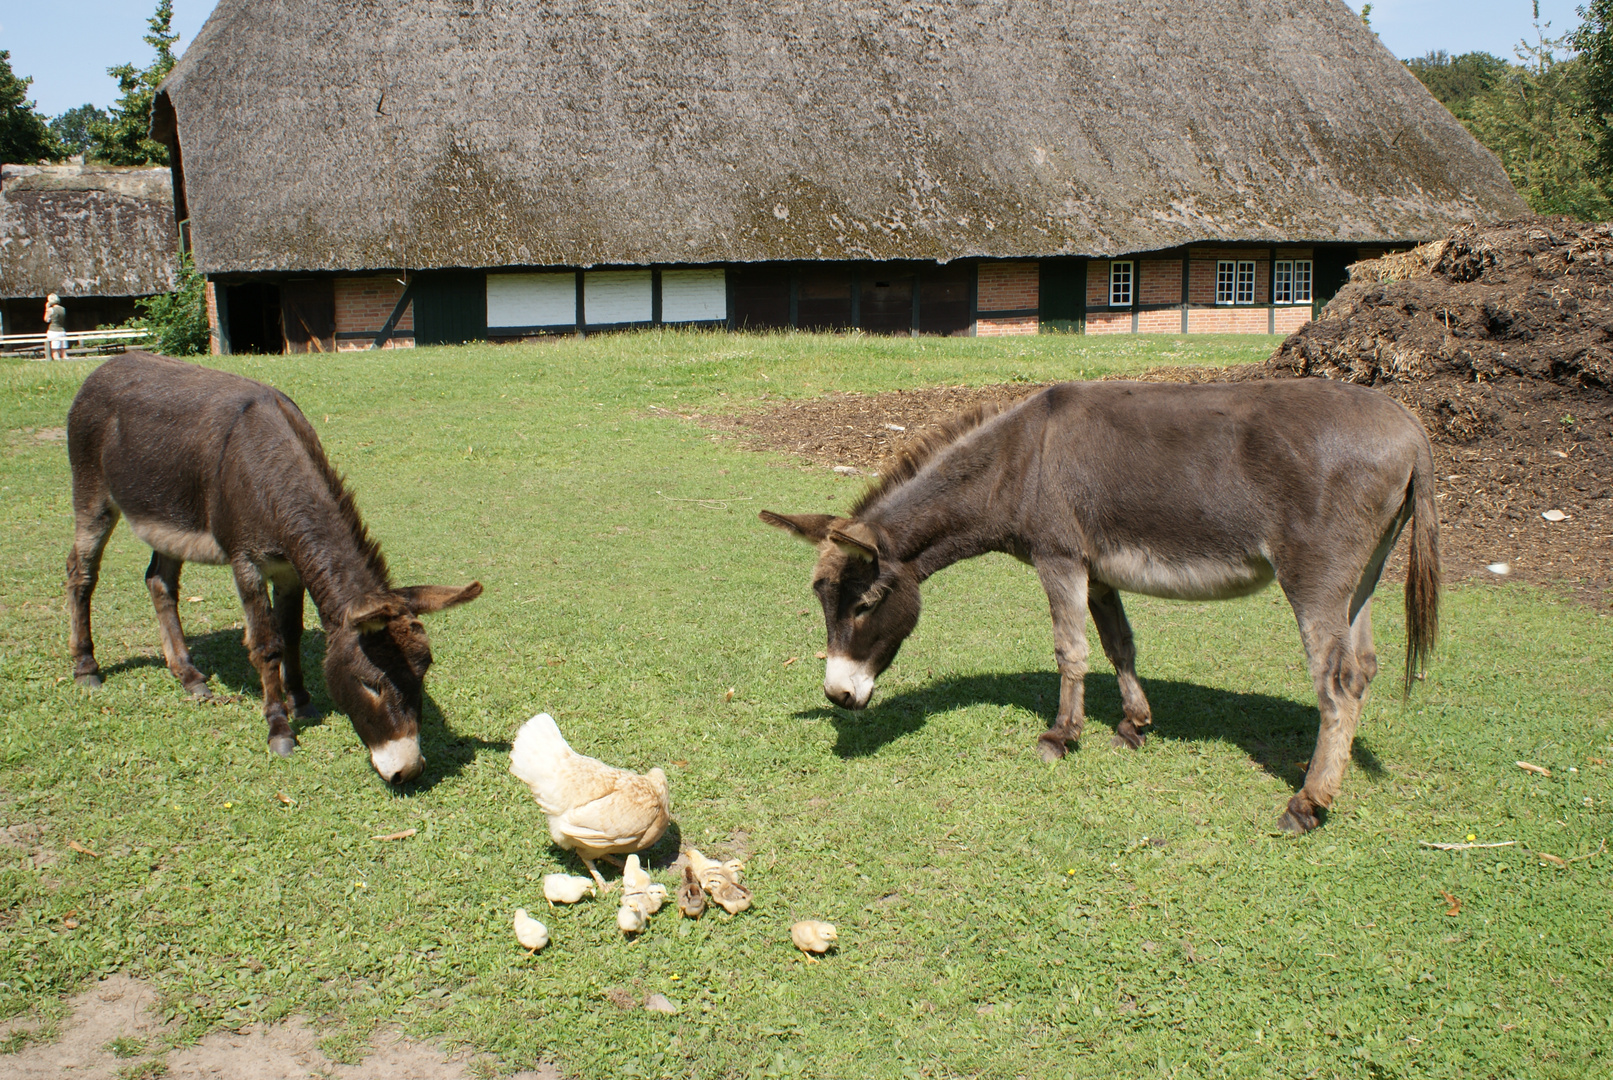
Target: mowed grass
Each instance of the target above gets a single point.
(1116, 913)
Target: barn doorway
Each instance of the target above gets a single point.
(253, 321)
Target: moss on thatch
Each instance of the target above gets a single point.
(511, 132)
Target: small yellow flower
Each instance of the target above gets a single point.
(229, 806)
(1070, 872)
(1472, 837)
(360, 885)
(672, 976)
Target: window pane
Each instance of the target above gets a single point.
(1246, 283)
(1302, 281)
(1224, 276)
(1282, 283)
(1120, 284)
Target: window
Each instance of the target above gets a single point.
(1291, 282)
(1234, 282)
(1120, 284)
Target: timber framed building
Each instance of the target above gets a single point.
(403, 171)
(98, 236)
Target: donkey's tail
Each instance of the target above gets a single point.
(1422, 569)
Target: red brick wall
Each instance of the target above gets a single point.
(363, 305)
(1201, 278)
(1292, 318)
(214, 338)
(1110, 322)
(1227, 320)
(1161, 282)
(1160, 322)
(1021, 324)
(1008, 286)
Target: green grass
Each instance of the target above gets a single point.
(1114, 914)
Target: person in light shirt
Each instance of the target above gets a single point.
(56, 329)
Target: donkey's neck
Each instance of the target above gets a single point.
(962, 503)
(335, 567)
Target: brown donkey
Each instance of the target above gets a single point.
(215, 468)
(1202, 492)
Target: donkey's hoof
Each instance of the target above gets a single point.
(1299, 819)
(1128, 741)
(90, 680)
(1050, 748)
(199, 691)
(305, 711)
(283, 745)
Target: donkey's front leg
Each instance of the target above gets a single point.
(288, 618)
(162, 580)
(266, 650)
(1065, 581)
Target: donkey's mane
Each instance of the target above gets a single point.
(894, 472)
(336, 483)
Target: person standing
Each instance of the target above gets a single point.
(56, 328)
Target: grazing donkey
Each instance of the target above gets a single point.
(215, 468)
(1190, 492)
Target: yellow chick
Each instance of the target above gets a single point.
(691, 897)
(532, 934)
(721, 880)
(812, 936)
(566, 888)
(638, 890)
(593, 808)
(631, 918)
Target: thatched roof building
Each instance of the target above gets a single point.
(420, 134)
(98, 236)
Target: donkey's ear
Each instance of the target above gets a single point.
(856, 539)
(372, 613)
(813, 528)
(424, 599)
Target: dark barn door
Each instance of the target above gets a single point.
(887, 301)
(1332, 270)
(254, 318)
(761, 297)
(944, 299)
(450, 307)
(824, 298)
(308, 313)
(1063, 292)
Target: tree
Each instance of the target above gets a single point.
(1456, 80)
(177, 320)
(75, 128)
(24, 136)
(123, 139)
(1594, 40)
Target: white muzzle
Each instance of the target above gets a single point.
(848, 682)
(398, 760)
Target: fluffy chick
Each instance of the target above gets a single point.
(721, 880)
(812, 936)
(532, 934)
(691, 897)
(593, 808)
(641, 897)
(566, 888)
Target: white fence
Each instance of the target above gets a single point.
(85, 339)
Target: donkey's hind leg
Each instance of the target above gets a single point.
(288, 619)
(1114, 630)
(162, 579)
(95, 515)
(1065, 581)
(1341, 677)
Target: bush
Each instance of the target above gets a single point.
(177, 320)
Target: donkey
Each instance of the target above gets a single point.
(214, 468)
(1189, 492)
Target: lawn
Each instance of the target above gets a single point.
(1117, 913)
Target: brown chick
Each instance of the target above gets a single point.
(691, 897)
(593, 808)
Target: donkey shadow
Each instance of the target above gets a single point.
(222, 654)
(1277, 733)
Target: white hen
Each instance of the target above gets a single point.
(593, 808)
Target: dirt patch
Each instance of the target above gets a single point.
(1500, 340)
(112, 1033)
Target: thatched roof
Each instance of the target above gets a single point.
(422, 133)
(86, 230)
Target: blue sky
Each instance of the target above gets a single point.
(67, 45)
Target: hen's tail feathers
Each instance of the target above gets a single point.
(539, 749)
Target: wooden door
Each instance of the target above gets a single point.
(308, 313)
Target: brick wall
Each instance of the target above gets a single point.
(1161, 322)
(1019, 324)
(1227, 320)
(215, 340)
(363, 306)
(1161, 282)
(1010, 286)
(1201, 278)
(1292, 318)
(1111, 322)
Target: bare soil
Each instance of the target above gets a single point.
(1499, 339)
(113, 1033)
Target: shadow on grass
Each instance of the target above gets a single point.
(1277, 733)
(222, 657)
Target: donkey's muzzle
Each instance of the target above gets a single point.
(398, 761)
(847, 682)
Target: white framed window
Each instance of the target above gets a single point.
(1234, 282)
(1291, 282)
(1120, 283)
